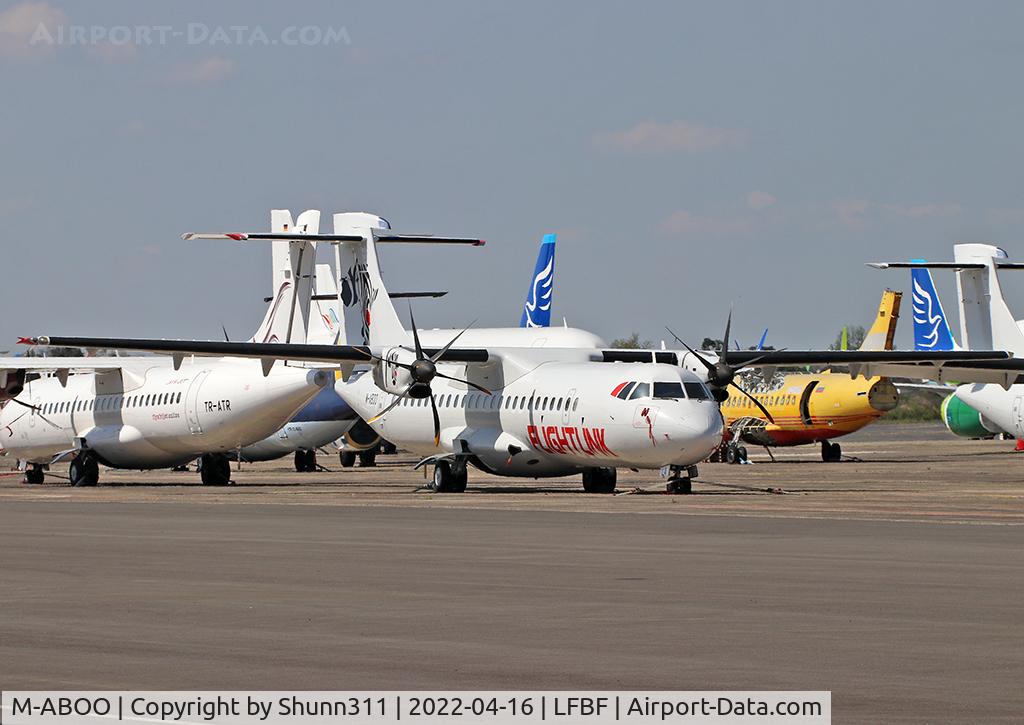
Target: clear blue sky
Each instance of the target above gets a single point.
(688, 155)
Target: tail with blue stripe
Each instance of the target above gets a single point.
(931, 330)
(537, 310)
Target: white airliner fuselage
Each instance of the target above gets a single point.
(161, 417)
(556, 420)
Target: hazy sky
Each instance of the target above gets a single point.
(688, 155)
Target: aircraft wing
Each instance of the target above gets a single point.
(260, 350)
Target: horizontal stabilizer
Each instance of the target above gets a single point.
(385, 238)
(392, 295)
(943, 265)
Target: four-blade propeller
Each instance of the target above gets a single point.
(423, 370)
(721, 374)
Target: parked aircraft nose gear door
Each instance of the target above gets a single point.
(192, 402)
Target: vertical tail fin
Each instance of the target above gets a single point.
(287, 317)
(369, 315)
(325, 324)
(537, 310)
(931, 329)
(882, 331)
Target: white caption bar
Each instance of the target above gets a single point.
(418, 707)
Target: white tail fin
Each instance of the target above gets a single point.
(325, 322)
(287, 317)
(369, 315)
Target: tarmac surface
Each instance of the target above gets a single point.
(894, 579)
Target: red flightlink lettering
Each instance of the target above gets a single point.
(599, 438)
(562, 441)
(551, 438)
(591, 446)
(531, 433)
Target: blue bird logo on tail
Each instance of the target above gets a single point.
(931, 331)
(537, 310)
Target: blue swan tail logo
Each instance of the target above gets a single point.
(931, 331)
(537, 310)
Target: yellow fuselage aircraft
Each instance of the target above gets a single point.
(816, 407)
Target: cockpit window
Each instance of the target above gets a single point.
(697, 391)
(642, 390)
(669, 390)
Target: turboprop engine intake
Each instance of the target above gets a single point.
(395, 379)
(12, 382)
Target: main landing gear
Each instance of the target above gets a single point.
(305, 461)
(450, 477)
(831, 452)
(84, 469)
(34, 473)
(215, 469)
(599, 480)
(731, 452)
(367, 458)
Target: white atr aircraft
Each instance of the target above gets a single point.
(153, 412)
(521, 410)
(985, 323)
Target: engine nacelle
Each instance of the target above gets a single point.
(964, 421)
(361, 437)
(394, 378)
(12, 382)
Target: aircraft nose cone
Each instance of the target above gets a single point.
(701, 428)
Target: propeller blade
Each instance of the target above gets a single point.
(437, 422)
(696, 354)
(481, 388)
(725, 340)
(756, 402)
(443, 350)
(26, 405)
(415, 335)
(225, 330)
(387, 410)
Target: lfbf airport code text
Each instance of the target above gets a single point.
(306, 708)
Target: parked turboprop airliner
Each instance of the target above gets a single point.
(152, 412)
(529, 411)
(985, 322)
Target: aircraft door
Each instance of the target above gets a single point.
(192, 402)
(805, 402)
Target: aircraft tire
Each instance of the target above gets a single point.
(387, 448)
(443, 480)
(742, 452)
(679, 485)
(347, 458)
(368, 459)
(84, 470)
(34, 474)
(460, 477)
(214, 469)
(730, 455)
(599, 480)
(831, 452)
(305, 461)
